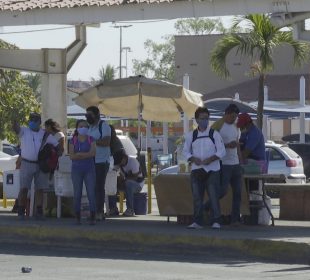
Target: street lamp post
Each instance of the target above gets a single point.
(126, 49)
(120, 45)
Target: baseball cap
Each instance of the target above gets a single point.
(243, 119)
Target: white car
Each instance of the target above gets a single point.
(282, 160)
(7, 162)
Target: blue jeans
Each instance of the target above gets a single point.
(232, 175)
(102, 169)
(201, 181)
(88, 177)
(131, 187)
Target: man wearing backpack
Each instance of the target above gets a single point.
(203, 148)
(31, 139)
(101, 132)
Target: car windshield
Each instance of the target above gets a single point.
(128, 145)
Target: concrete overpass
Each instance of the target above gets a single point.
(54, 64)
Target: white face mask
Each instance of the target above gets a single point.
(82, 130)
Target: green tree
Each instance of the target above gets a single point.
(160, 63)
(259, 43)
(105, 74)
(16, 99)
(199, 26)
(34, 81)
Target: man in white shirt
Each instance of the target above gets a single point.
(231, 173)
(31, 138)
(101, 132)
(133, 178)
(203, 148)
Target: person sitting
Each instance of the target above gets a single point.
(131, 173)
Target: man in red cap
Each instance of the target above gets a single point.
(252, 142)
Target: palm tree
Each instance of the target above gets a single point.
(105, 75)
(259, 44)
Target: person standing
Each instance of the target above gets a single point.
(252, 142)
(31, 139)
(203, 148)
(252, 146)
(53, 128)
(101, 133)
(231, 173)
(82, 151)
(132, 178)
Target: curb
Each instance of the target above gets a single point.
(265, 250)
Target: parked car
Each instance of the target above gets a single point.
(10, 149)
(282, 160)
(7, 162)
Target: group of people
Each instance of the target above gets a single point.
(216, 154)
(89, 150)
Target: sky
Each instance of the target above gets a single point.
(103, 43)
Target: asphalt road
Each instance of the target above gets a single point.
(61, 263)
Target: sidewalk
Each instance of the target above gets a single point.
(287, 242)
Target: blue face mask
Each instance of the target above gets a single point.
(33, 125)
(203, 124)
(82, 130)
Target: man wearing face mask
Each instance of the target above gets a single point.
(31, 138)
(203, 148)
(100, 131)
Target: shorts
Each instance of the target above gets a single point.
(31, 171)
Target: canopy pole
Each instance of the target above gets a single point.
(302, 125)
(185, 117)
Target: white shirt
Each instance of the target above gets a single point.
(133, 165)
(58, 135)
(229, 133)
(204, 148)
(30, 142)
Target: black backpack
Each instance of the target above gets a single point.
(195, 135)
(48, 156)
(115, 143)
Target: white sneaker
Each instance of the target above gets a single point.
(194, 226)
(216, 226)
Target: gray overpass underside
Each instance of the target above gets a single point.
(147, 11)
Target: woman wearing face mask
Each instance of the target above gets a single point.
(82, 151)
(203, 148)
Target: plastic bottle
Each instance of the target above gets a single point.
(26, 269)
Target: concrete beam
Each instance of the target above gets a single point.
(127, 12)
(23, 60)
(75, 49)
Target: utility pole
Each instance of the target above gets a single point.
(126, 49)
(120, 45)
